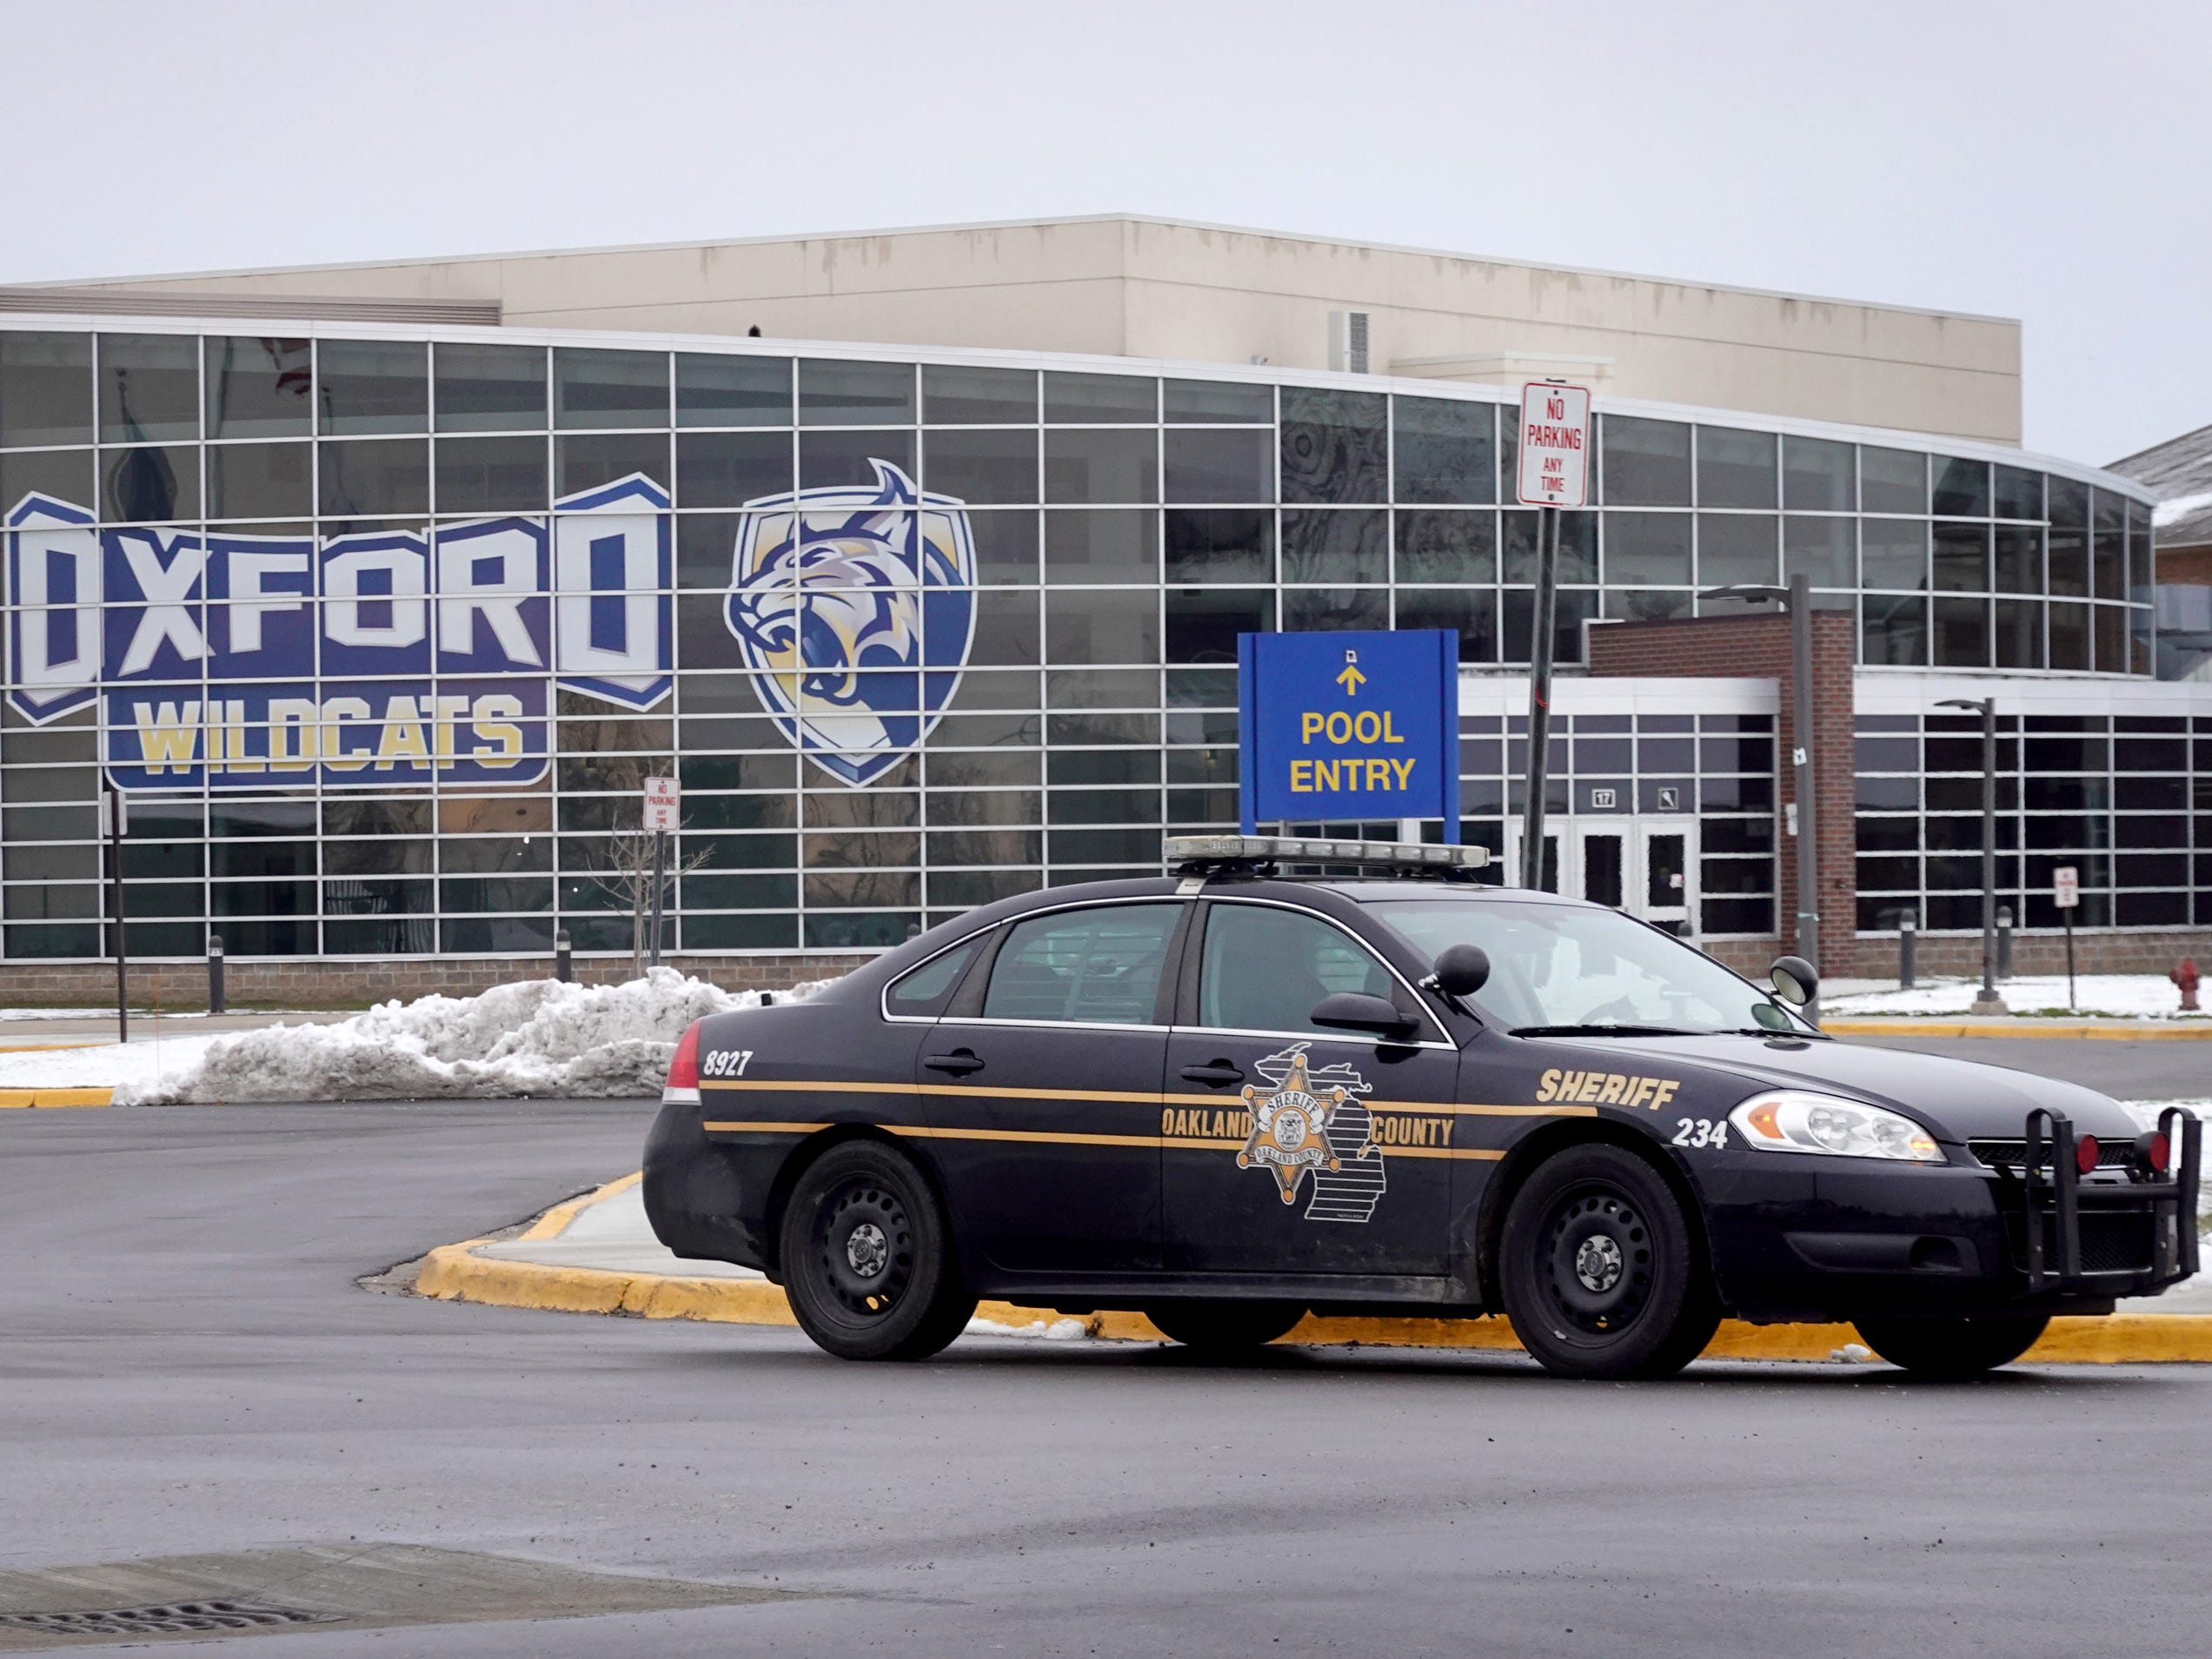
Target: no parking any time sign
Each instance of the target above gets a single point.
(1555, 445)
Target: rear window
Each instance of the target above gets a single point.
(927, 989)
(1093, 967)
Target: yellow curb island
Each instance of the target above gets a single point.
(27, 1098)
(1950, 1025)
(456, 1273)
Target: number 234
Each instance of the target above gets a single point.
(1700, 1131)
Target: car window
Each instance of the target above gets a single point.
(1263, 969)
(1099, 967)
(924, 990)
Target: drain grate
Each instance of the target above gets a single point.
(177, 1617)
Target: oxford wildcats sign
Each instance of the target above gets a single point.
(246, 662)
(855, 607)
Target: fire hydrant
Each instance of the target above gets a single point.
(2185, 977)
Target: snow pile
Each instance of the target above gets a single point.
(1036, 1329)
(2127, 996)
(540, 1038)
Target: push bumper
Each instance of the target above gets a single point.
(1832, 1238)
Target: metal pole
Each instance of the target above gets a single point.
(115, 881)
(2005, 941)
(563, 961)
(1808, 814)
(2069, 915)
(1547, 596)
(1989, 849)
(653, 933)
(216, 1000)
(1908, 953)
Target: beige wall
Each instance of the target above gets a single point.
(1161, 288)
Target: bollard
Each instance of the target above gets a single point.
(2184, 978)
(563, 968)
(1908, 952)
(215, 973)
(2005, 941)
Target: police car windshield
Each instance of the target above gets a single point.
(1561, 968)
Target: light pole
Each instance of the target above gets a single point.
(1989, 1002)
(1797, 598)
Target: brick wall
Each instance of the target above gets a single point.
(1756, 646)
(311, 982)
(1876, 956)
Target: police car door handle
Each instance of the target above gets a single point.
(1220, 1073)
(959, 1062)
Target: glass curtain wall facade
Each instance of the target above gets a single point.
(1103, 535)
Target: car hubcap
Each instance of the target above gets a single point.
(1597, 1262)
(865, 1250)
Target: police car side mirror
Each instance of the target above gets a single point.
(1462, 970)
(1357, 1010)
(1795, 981)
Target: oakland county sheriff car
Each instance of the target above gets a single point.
(1230, 1095)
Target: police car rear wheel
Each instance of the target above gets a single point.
(1601, 1272)
(1951, 1348)
(867, 1264)
(1223, 1327)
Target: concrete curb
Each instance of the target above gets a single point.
(456, 1273)
(1950, 1025)
(28, 1097)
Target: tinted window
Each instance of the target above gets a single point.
(924, 990)
(1099, 967)
(1264, 969)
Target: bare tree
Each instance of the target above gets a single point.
(622, 869)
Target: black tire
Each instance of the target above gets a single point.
(868, 1263)
(1225, 1328)
(1951, 1348)
(1602, 1273)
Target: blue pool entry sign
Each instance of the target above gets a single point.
(1348, 726)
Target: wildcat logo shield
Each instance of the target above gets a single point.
(1308, 1120)
(855, 607)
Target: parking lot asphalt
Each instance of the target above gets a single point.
(188, 1365)
(2149, 1069)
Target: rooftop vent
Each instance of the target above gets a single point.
(1348, 341)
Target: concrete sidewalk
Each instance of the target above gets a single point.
(597, 1254)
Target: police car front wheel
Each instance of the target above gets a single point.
(1601, 1273)
(866, 1263)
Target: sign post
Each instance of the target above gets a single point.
(2066, 894)
(1349, 725)
(115, 818)
(1554, 473)
(663, 799)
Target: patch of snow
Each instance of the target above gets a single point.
(537, 1037)
(2129, 996)
(2179, 508)
(1036, 1329)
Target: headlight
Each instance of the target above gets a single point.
(1795, 1120)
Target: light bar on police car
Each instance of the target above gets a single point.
(1290, 849)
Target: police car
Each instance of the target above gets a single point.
(1232, 1095)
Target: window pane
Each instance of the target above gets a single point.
(1892, 481)
(609, 388)
(2020, 494)
(1577, 545)
(258, 388)
(365, 386)
(1321, 610)
(2019, 559)
(1203, 623)
(1100, 400)
(1962, 632)
(1109, 626)
(377, 478)
(984, 467)
(1894, 629)
(1819, 550)
(1647, 548)
(1220, 545)
(1735, 469)
(149, 386)
(1893, 553)
(1445, 451)
(978, 396)
(260, 481)
(1736, 547)
(1962, 487)
(490, 475)
(1472, 611)
(1094, 967)
(1102, 466)
(1962, 558)
(150, 484)
(1308, 959)
(490, 389)
(838, 458)
(1339, 546)
(728, 468)
(65, 473)
(842, 394)
(1334, 446)
(1644, 463)
(1209, 400)
(583, 463)
(716, 391)
(1118, 546)
(2019, 633)
(1816, 476)
(46, 389)
(924, 990)
(1220, 465)
(2069, 504)
(1446, 547)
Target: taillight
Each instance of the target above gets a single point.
(683, 1064)
(2153, 1153)
(2086, 1153)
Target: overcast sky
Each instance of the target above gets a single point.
(2034, 160)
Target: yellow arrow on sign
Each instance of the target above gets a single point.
(1351, 680)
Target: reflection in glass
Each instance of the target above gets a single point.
(1220, 465)
(1108, 545)
(45, 389)
(829, 458)
(1892, 481)
(2019, 559)
(952, 395)
(367, 385)
(1893, 629)
(833, 393)
(2019, 633)
(1217, 401)
(1893, 553)
(1203, 623)
(65, 473)
(1577, 545)
(372, 478)
(1342, 545)
(1962, 487)
(149, 387)
(729, 469)
(1315, 610)
(981, 467)
(1644, 463)
(150, 484)
(491, 476)
(490, 389)
(1447, 546)
(1820, 548)
(2019, 492)
(713, 390)
(1100, 400)
(1962, 558)
(258, 388)
(1818, 476)
(609, 388)
(587, 462)
(260, 481)
(1647, 548)
(1221, 544)
(1518, 629)
(1473, 612)
(2069, 504)
(1335, 445)
(1735, 469)
(1443, 450)
(1108, 626)
(1962, 632)
(1736, 547)
(1101, 466)
(1005, 546)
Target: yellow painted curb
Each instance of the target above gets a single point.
(2145, 1031)
(456, 1273)
(43, 1048)
(554, 1222)
(56, 1098)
